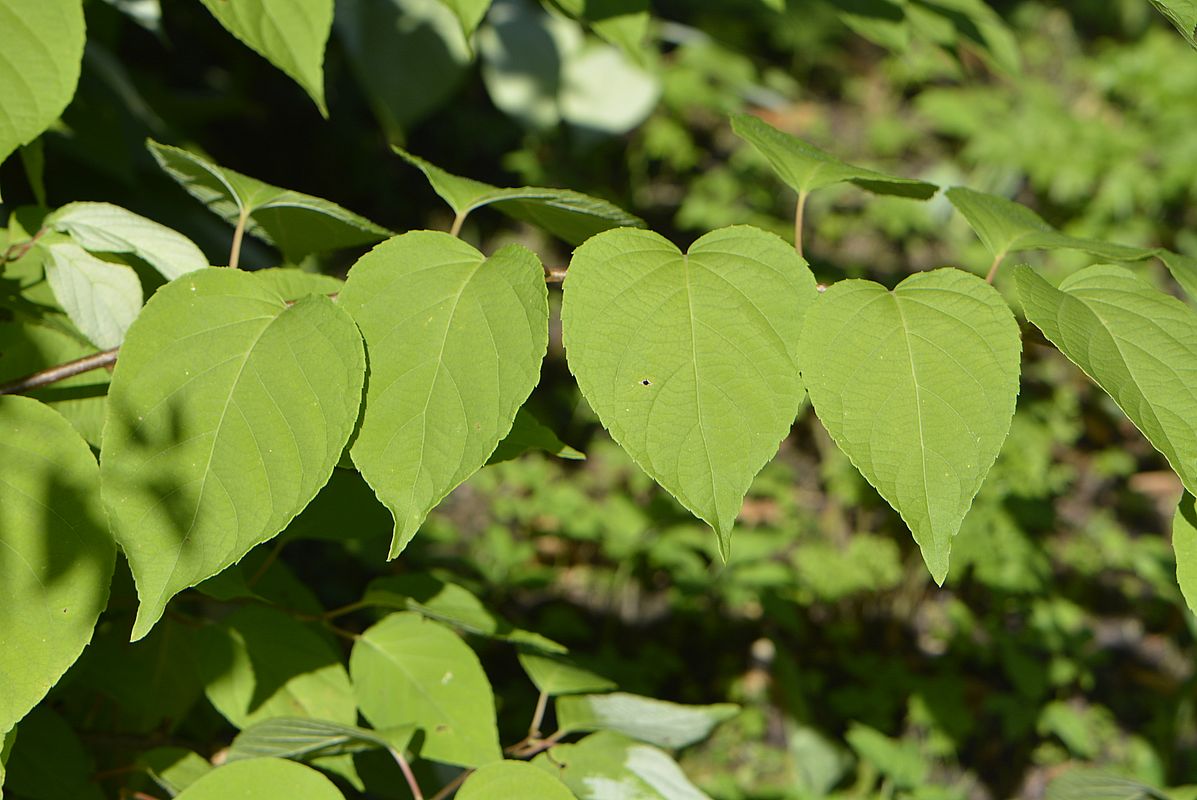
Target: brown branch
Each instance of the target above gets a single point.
(59, 372)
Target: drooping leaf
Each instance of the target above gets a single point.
(555, 675)
(174, 768)
(468, 12)
(105, 228)
(690, 361)
(654, 721)
(1005, 226)
(528, 433)
(291, 34)
(411, 671)
(260, 663)
(609, 766)
(101, 298)
(917, 386)
(570, 215)
(262, 779)
(1137, 343)
(455, 342)
(304, 739)
(42, 43)
(804, 167)
(227, 413)
(298, 224)
(1182, 14)
(505, 780)
(1184, 271)
(48, 762)
(1184, 543)
(56, 555)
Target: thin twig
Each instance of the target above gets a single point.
(60, 372)
(407, 774)
(799, 213)
(451, 787)
(458, 221)
(238, 234)
(993, 268)
(16, 251)
(542, 703)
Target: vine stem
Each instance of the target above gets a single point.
(993, 268)
(238, 234)
(407, 774)
(59, 372)
(799, 214)
(451, 787)
(16, 251)
(458, 221)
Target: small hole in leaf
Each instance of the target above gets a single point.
(646, 382)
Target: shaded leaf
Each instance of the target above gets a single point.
(262, 779)
(917, 386)
(898, 760)
(1184, 543)
(657, 722)
(1087, 783)
(529, 433)
(100, 297)
(105, 228)
(690, 361)
(174, 768)
(48, 762)
(505, 780)
(623, 23)
(303, 739)
(1184, 271)
(554, 675)
(468, 12)
(608, 766)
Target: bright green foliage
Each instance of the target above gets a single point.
(654, 721)
(468, 12)
(1182, 14)
(6, 742)
(608, 766)
(554, 675)
(411, 671)
(455, 342)
(917, 386)
(573, 216)
(303, 739)
(200, 462)
(105, 228)
(1137, 343)
(42, 43)
(262, 779)
(504, 780)
(174, 768)
(805, 167)
(260, 663)
(1005, 226)
(690, 360)
(56, 554)
(1184, 270)
(101, 298)
(898, 761)
(1184, 543)
(528, 433)
(296, 223)
(623, 23)
(291, 34)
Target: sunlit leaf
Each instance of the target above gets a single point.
(1182, 14)
(657, 722)
(555, 675)
(468, 12)
(105, 228)
(609, 766)
(101, 298)
(262, 779)
(174, 768)
(505, 780)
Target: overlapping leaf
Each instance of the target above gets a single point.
(298, 224)
(505, 780)
(1184, 543)
(657, 722)
(1184, 271)
(468, 12)
(917, 386)
(291, 34)
(262, 779)
(1182, 14)
(690, 360)
(105, 228)
(555, 675)
(1137, 343)
(455, 342)
(529, 433)
(227, 413)
(609, 766)
(305, 739)
(101, 298)
(56, 555)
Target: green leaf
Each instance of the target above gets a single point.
(298, 224)
(570, 215)
(293, 284)
(528, 433)
(42, 43)
(776, 5)
(623, 23)
(262, 779)
(608, 766)
(105, 228)
(917, 386)
(174, 768)
(468, 12)
(1182, 14)
(48, 762)
(554, 675)
(604, 92)
(100, 297)
(1184, 271)
(1137, 343)
(505, 780)
(259, 663)
(56, 555)
(898, 760)
(455, 342)
(654, 721)
(305, 739)
(411, 671)
(1087, 783)
(690, 361)
(291, 34)
(1005, 226)
(227, 413)
(6, 742)
(804, 167)
(1184, 543)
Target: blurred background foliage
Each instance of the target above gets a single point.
(1060, 637)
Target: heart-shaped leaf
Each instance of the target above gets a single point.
(654, 721)
(504, 780)
(298, 224)
(262, 779)
(570, 215)
(56, 555)
(1137, 343)
(1184, 543)
(291, 34)
(917, 386)
(227, 413)
(101, 298)
(105, 228)
(690, 360)
(455, 342)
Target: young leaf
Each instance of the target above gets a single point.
(1184, 543)
(227, 413)
(567, 214)
(455, 342)
(1137, 343)
(804, 167)
(291, 34)
(42, 43)
(528, 433)
(654, 721)
(1005, 226)
(56, 555)
(917, 386)
(105, 228)
(468, 12)
(505, 780)
(690, 361)
(101, 298)
(298, 224)
(411, 671)
(305, 739)
(262, 779)
(1182, 14)
(608, 766)
(554, 675)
